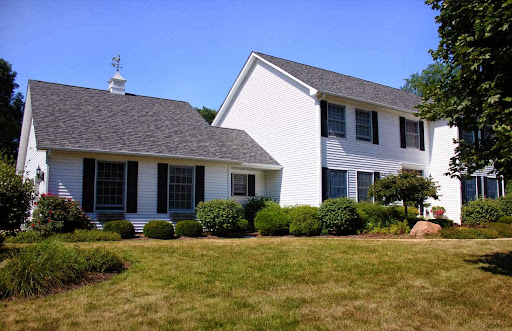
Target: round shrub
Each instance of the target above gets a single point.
(124, 228)
(272, 220)
(243, 225)
(506, 204)
(373, 215)
(189, 228)
(304, 221)
(505, 219)
(158, 230)
(339, 215)
(481, 211)
(55, 214)
(101, 260)
(254, 205)
(503, 230)
(220, 216)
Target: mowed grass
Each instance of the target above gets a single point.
(286, 283)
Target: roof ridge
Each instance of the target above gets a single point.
(361, 79)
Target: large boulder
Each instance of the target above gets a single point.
(422, 228)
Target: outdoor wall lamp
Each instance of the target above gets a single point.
(39, 173)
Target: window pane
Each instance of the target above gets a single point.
(412, 134)
(471, 192)
(337, 183)
(363, 125)
(468, 137)
(239, 184)
(492, 188)
(364, 180)
(336, 120)
(181, 182)
(110, 185)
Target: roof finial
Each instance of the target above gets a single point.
(115, 62)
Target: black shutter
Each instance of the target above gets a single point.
(460, 133)
(376, 176)
(477, 139)
(162, 200)
(375, 127)
(323, 110)
(478, 186)
(500, 187)
(132, 184)
(402, 132)
(231, 185)
(463, 189)
(325, 184)
(251, 185)
(422, 136)
(199, 190)
(486, 187)
(89, 176)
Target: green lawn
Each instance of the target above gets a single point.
(287, 283)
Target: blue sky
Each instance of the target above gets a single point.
(194, 50)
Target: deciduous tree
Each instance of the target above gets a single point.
(11, 110)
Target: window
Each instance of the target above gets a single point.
(363, 125)
(364, 180)
(181, 186)
(492, 188)
(336, 120)
(471, 189)
(239, 184)
(110, 185)
(468, 136)
(412, 135)
(337, 183)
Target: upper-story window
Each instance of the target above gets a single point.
(412, 134)
(336, 120)
(363, 125)
(468, 136)
(110, 185)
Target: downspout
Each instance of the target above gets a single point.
(319, 147)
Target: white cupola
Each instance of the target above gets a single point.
(116, 84)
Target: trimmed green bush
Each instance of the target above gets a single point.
(503, 230)
(304, 221)
(373, 215)
(468, 233)
(398, 213)
(55, 214)
(480, 211)
(505, 219)
(24, 237)
(87, 236)
(37, 269)
(124, 228)
(101, 260)
(506, 204)
(272, 220)
(394, 229)
(444, 222)
(340, 215)
(220, 216)
(189, 228)
(243, 225)
(254, 205)
(158, 229)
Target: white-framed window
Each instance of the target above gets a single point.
(239, 185)
(363, 125)
(336, 120)
(337, 183)
(412, 134)
(364, 181)
(181, 188)
(492, 188)
(471, 189)
(110, 185)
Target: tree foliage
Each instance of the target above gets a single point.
(207, 113)
(11, 110)
(407, 187)
(422, 83)
(475, 89)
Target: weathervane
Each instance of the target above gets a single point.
(115, 62)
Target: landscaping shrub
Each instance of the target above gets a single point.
(505, 219)
(55, 214)
(220, 216)
(87, 236)
(272, 220)
(443, 222)
(158, 230)
(340, 215)
(503, 230)
(16, 196)
(124, 228)
(243, 225)
(506, 204)
(24, 237)
(468, 233)
(37, 269)
(254, 205)
(189, 228)
(101, 260)
(373, 215)
(398, 213)
(481, 211)
(396, 228)
(304, 221)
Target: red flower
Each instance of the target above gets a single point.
(51, 211)
(38, 221)
(49, 221)
(35, 203)
(32, 225)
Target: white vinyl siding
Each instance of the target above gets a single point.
(337, 183)
(363, 125)
(34, 159)
(412, 134)
(336, 120)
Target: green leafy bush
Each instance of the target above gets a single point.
(396, 228)
(87, 236)
(468, 233)
(340, 215)
(189, 228)
(443, 222)
(503, 230)
(398, 213)
(243, 225)
(254, 205)
(304, 221)
(481, 211)
(101, 260)
(506, 204)
(124, 228)
(158, 230)
(373, 215)
(25, 237)
(505, 219)
(55, 214)
(220, 216)
(272, 220)
(37, 269)
(16, 196)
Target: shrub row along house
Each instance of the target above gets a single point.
(286, 130)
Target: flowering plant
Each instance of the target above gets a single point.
(438, 212)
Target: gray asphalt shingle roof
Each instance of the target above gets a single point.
(330, 82)
(71, 117)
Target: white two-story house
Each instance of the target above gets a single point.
(334, 135)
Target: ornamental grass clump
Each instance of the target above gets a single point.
(101, 260)
(158, 230)
(87, 236)
(124, 228)
(24, 237)
(221, 217)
